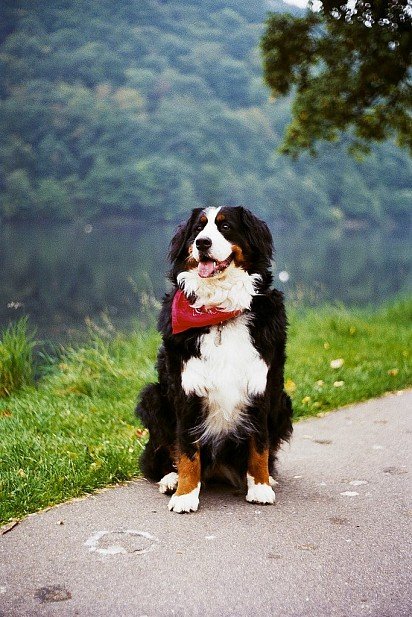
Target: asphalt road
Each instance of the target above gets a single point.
(337, 542)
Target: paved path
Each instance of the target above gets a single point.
(336, 543)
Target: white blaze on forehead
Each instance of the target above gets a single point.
(221, 249)
(212, 213)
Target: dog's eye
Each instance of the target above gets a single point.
(199, 227)
(225, 226)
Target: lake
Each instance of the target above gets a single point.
(112, 273)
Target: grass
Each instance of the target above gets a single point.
(74, 431)
(372, 349)
(16, 357)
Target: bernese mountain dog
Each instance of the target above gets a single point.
(219, 409)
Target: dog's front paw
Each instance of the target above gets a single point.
(185, 503)
(168, 483)
(259, 493)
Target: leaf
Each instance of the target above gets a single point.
(290, 386)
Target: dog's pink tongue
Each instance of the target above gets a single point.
(205, 269)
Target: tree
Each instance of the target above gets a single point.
(144, 108)
(350, 64)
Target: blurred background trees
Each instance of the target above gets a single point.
(144, 108)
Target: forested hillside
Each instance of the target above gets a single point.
(146, 108)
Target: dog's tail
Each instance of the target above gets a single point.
(153, 411)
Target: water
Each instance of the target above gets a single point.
(61, 275)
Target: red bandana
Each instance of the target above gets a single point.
(185, 316)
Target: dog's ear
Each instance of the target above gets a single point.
(258, 236)
(178, 244)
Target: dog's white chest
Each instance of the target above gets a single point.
(228, 373)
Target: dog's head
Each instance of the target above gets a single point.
(215, 238)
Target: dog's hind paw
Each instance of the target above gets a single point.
(185, 503)
(168, 483)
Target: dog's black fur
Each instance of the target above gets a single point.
(171, 415)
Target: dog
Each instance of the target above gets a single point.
(219, 409)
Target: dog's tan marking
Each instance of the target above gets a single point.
(258, 464)
(239, 257)
(220, 217)
(189, 473)
(191, 261)
(203, 218)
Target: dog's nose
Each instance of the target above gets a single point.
(203, 244)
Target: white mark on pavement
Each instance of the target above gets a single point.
(3, 588)
(210, 537)
(349, 494)
(376, 447)
(357, 482)
(130, 541)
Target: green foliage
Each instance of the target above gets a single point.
(16, 358)
(350, 64)
(145, 109)
(75, 431)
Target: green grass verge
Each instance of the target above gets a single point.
(16, 357)
(74, 431)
